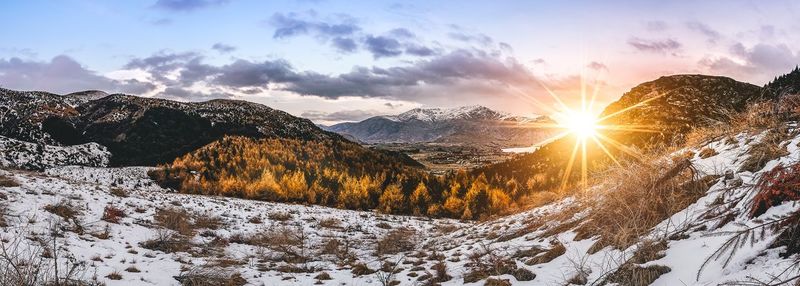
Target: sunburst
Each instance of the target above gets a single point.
(586, 126)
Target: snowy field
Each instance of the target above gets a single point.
(341, 247)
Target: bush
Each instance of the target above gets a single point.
(775, 187)
(63, 209)
(280, 216)
(175, 219)
(210, 276)
(166, 241)
(112, 214)
(119, 192)
(396, 241)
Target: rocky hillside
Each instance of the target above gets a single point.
(672, 105)
(26, 155)
(142, 131)
(468, 124)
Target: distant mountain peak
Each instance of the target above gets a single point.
(476, 112)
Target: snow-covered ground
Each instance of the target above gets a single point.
(513, 238)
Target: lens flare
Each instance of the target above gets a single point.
(586, 126)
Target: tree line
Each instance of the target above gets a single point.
(337, 174)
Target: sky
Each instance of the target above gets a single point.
(333, 61)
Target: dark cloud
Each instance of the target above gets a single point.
(381, 46)
(666, 46)
(598, 66)
(712, 36)
(293, 24)
(344, 115)
(449, 69)
(223, 48)
(242, 73)
(393, 105)
(761, 62)
(479, 70)
(62, 75)
(346, 45)
(187, 5)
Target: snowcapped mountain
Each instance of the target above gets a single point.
(468, 124)
(471, 112)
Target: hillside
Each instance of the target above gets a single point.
(702, 225)
(467, 125)
(663, 112)
(142, 131)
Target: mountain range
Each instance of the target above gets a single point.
(467, 124)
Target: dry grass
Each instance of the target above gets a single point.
(770, 147)
(112, 214)
(756, 118)
(640, 196)
(210, 276)
(175, 219)
(290, 244)
(119, 192)
(8, 182)
(554, 252)
(396, 241)
(330, 223)
(63, 209)
(208, 222)
(280, 216)
(167, 241)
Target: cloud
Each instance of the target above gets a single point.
(474, 71)
(223, 48)
(598, 66)
(344, 115)
(345, 45)
(381, 47)
(62, 74)
(761, 62)
(666, 46)
(187, 5)
(712, 36)
(292, 24)
(476, 38)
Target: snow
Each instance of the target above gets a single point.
(445, 114)
(90, 188)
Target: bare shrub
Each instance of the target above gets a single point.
(330, 223)
(63, 209)
(279, 216)
(339, 248)
(166, 241)
(175, 219)
(119, 192)
(396, 241)
(8, 182)
(208, 222)
(210, 276)
(40, 262)
(112, 214)
(485, 262)
(290, 243)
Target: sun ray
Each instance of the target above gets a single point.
(618, 112)
(568, 170)
(605, 150)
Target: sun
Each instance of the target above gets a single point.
(582, 124)
(585, 126)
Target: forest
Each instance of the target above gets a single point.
(337, 174)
